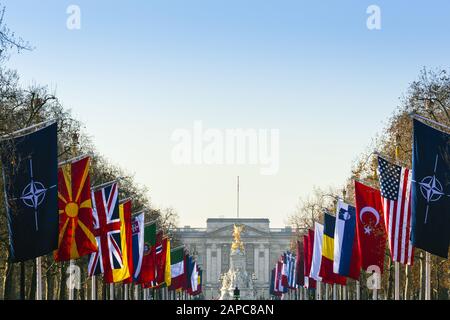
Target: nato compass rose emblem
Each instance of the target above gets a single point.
(431, 189)
(34, 194)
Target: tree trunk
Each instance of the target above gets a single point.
(104, 291)
(32, 291)
(8, 290)
(390, 280)
(62, 283)
(83, 285)
(22, 280)
(50, 279)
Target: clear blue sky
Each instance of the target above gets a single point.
(138, 70)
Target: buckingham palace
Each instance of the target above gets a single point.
(211, 247)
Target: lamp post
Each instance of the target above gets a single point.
(236, 294)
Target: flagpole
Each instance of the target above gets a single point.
(358, 290)
(71, 280)
(111, 291)
(38, 278)
(376, 284)
(238, 197)
(427, 276)
(319, 290)
(136, 293)
(93, 288)
(125, 288)
(396, 263)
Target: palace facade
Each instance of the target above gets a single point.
(211, 247)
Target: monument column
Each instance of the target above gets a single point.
(219, 263)
(256, 262)
(208, 263)
(266, 263)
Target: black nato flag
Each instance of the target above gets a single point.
(30, 174)
(430, 205)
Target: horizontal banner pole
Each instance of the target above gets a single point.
(75, 159)
(125, 200)
(106, 183)
(176, 248)
(399, 163)
(416, 116)
(139, 212)
(13, 134)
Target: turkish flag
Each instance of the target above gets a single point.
(370, 229)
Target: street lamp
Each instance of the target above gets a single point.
(236, 293)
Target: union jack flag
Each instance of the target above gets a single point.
(107, 233)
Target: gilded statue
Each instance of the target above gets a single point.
(237, 242)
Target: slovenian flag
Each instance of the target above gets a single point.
(346, 254)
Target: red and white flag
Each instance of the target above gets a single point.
(370, 228)
(278, 287)
(395, 187)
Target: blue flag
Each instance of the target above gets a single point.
(272, 282)
(430, 205)
(30, 174)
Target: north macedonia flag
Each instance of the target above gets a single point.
(76, 237)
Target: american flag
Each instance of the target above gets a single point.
(395, 185)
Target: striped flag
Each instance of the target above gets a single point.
(346, 254)
(299, 265)
(317, 252)
(395, 186)
(292, 280)
(308, 243)
(279, 289)
(177, 268)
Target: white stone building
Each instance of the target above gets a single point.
(211, 246)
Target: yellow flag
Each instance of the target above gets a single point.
(167, 273)
(124, 272)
